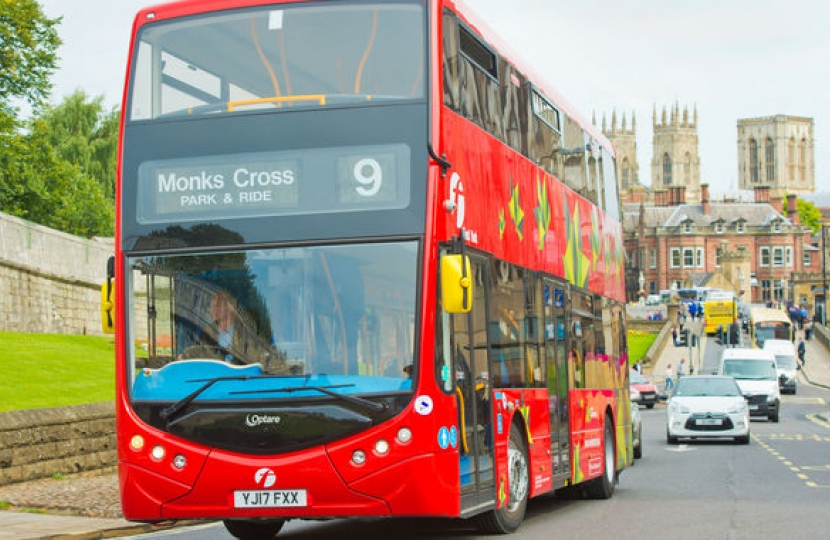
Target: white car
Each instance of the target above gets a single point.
(784, 351)
(636, 429)
(707, 406)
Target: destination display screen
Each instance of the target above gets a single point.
(244, 185)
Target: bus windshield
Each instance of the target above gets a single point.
(333, 317)
(771, 330)
(279, 59)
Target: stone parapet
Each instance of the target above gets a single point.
(49, 280)
(41, 443)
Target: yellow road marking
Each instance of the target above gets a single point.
(798, 471)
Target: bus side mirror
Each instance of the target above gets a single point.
(107, 302)
(456, 284)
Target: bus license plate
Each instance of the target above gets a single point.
(269, 499)
(708, 421)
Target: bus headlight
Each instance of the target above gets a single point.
(381, 447)
(158, 452)
(359, 457)
(404, 435)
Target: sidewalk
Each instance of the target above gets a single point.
(816, 371)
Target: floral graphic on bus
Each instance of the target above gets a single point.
(502, 224)
(577, 265)
(502, 491)
(542, 211)
(577, 474)
(525, 410)
(596, 237)
(516, 212)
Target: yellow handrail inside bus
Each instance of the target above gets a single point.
(319, 98)
(264, 59)
(368, 50)
(463, 430)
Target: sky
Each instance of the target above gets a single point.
(731, 59)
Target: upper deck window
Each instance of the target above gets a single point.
(277, 59)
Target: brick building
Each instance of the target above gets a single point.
(740, 246)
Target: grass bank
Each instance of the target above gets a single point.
(638, 345)
(54, 370)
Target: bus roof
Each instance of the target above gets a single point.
(768, 314)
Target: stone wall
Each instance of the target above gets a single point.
(41, 443)
(50, 281)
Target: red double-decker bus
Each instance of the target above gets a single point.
(366, 265)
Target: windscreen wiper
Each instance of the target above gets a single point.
(168, 412)
(354, 400)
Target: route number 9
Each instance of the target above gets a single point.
(369, 175)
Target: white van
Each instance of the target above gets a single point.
(756, 372)
(785, 357)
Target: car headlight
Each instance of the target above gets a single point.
(737, 408)
(679, 408)
(635, 395)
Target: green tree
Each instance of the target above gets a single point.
(808, 214)
(28, 45)
(83, 133)
(39, 185)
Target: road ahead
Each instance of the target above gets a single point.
(776, 487)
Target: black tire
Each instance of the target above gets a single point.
(774, 416)
(638, 450)
(742, 440)
(670, 439)
(254, 530)
(650, 406)
(509, 517)
(603, 486)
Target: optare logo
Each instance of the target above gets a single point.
(457, 197)
(265, 477)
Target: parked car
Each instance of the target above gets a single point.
(646, 392)
(637, 430)
(653, 299)
(707, 406)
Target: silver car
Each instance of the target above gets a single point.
(707, 406)
(637, 429)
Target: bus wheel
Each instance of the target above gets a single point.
(254, 530)
(507, 519)
(603, 487)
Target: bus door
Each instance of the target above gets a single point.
(472, 388)
(556, 303)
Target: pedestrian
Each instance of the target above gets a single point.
(808, 329)
(674, 334)
(802, 351)
(638, 367)
(669, 381)
(681, 368)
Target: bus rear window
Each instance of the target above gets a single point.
(279, 59)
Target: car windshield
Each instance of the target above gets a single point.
(707, 386)
(750, 369)
(785, 361)
(636, 378)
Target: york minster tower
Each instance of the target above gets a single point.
(624, 139)
(675, 159)
(777, 152)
